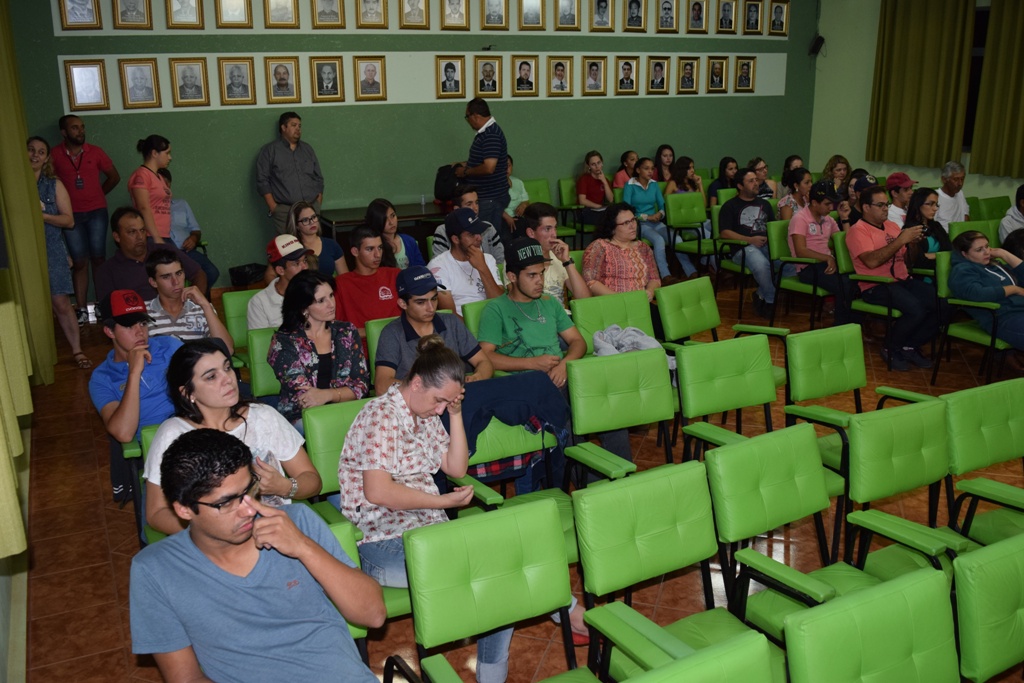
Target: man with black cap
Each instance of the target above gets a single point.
(287, 257)
(900, 187)
(465, 271)
(396, 348)
(809, 233)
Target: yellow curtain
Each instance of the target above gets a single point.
(922, 65)
(998, 147)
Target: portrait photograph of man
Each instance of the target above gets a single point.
(688, 75)
(449, 77)
(494, 13)
(189, 82)
(139, 76)
(560, 78)
(667, 16)
(718, 74)
(745, 74)
(567, 18)
(726, 12)
(328, 14)
(696, 18)
(370, 83)
(236, 80)
(594, 84)
(602, 16)
(489, 77)
(636, 15)
(282, 79)
(86, 85)
(77, 14)
(233, 14)
(185, 14)
(281, 13)
(327, 71)
(779, 24)
(131, 14)
(455, 15)
(531, 15)
(752, 12)
(414, 14)
(626, 68)
(371, 14)
(657, 70)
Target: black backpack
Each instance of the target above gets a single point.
(445, 183)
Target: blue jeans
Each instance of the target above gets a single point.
(204, 262)
(759, 265)
(384, 561)
(916, 301)
(88, 239)
(657, 235)
(490, 211)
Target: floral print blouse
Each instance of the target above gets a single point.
(621, 270)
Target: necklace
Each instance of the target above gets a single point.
(469, 274)
(540, 316)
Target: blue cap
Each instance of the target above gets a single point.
(416, 280)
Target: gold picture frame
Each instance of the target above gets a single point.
(493, 15)
(364, 84)
(185, 14)
(658, 66)
(688, 80)
(753, 15)
(414, 14)
(87, 84)
(483, 66)
(327, 13)
(523, 82)
(634, 16)
(140, 84)
(778, 23)
(326, 80)
(626, 82)
(560, 87)
(371, 14)
(567, 15)
(449, 73)
(189, 84)
(281, 13)
(283, 87)
(718, 82)
(696, 17)
(667, 21)
(237, 80)
(233, 13)
(79, 15)
(454, 15)
(132, 14)
(595, 76)
(532, 15)
(602, 16)
(725, 20)
(746, 73)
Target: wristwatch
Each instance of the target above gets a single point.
(294, 489)
(568, 263)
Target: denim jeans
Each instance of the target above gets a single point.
(657, 235)
(838, 284)
(385, 562)
(490, 211)
(204, 262)
(916, 301)
(88, 239)
(759, 265)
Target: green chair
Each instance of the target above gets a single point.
(974, 208)
(617, 193)
(430, 248)
(900, 630)
(262, 379)
(637, 529)
(236, 309)
(685, 215)
(577, 258)
(989, 227)
(778, 247)
(538, 190)
(723, 248)
(569, 206)
(705, 175)
(471, 314)
(373, 330)
(994, 207)
(626, 309)
(774, 203)
(725, 194)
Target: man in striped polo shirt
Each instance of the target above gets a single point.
(487, 165)
(180, 311)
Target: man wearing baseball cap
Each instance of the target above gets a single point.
(287, 257)
(129, 388)
(465, 271)
(396, 349)
(900, 187)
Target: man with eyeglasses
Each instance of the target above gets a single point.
(878, 247)
(246, 589)
(287, 171)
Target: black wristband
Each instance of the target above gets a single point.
(568, 263)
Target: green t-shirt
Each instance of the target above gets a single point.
(515, 328)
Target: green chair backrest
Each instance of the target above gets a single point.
(662, 184)
(766, 481)
(146, 438)
(644, 526)
(471, 315)
(985, 425)
(994, 207)
(628, 309)
(744, 658)
(825, 362)
(778, 239)
(617, 194)
(624, 390)
(262, 379)
(897, 449)
(942, 267)
(373, 330)
(687, 308)
(430, 247)
(974, 208)
(684, 210)
(715, 211)
(567, 192)
(727, 193)
(326, 427)
(774, 203)
(477, 573)
(990, 228)
(989, 606)
(843, 259)
(236, 305)
(705, 175)
(724, 375)
(899, 630)
(538, 190)
(577, 257)
(345, 532)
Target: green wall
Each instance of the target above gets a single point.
(394, 150)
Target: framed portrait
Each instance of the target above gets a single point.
(746, 70)
(560, 75)
(87, 84)
(568, 16)
(326, 79)
(634, 16)
(371, 83)
(79, 14)
(524, 74)
(185, 14)
(487, 69)
(282, 79)
(328, 14)
(657, 75)
(594, 75)
(281, 13)
(696, 16)
(531, 15)
(414, 14)
(494, 15)
(602, 16)
(688, 74)
(189, 84)
(448, 73)
(752, 17)
(778, 21)
(455, 15)
(668, 16)
(133, 14)
(626, 75)
(233, 13)
(140, 86)
(718, 75)
(726, 19)
(371, 14)
(236, 80)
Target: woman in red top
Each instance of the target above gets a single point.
(593, 191)
(151, 195)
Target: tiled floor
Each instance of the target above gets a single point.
(82, 543)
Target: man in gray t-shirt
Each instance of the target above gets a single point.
(247, 589)
(396, 348)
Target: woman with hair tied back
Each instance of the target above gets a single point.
(303, 223)
(204, 390)
(798, 182)
(593, 191)
(317, 359)
(976, 277)
(726, 179)
(400, 250)
(627, 168)
(151, 195)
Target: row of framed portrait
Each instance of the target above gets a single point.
(723, 17)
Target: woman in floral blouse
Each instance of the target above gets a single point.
(617, 261)
(316, 358)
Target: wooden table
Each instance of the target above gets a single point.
(416, 220)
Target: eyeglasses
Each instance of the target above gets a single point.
(631, 221)
(308, 221)
(881, 205)
(761, 168)
(230, 504)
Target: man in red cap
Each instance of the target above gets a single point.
(287, 257)
(900, 187)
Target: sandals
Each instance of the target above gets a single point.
(82, 361)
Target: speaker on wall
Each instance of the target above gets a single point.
(816, 45)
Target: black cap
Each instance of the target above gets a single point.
(822, 190)
(416, 280)
(523, 252)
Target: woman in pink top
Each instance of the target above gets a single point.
(627, 164)
(617, 261)
(151, 195)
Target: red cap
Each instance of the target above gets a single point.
(286, 248)
(898, 180)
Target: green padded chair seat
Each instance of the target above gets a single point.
(896, 560)
(834, 483)
(995, 525)
(564, 504)
(830, 447)
(499, 440)
(768, 609)
(973, 332)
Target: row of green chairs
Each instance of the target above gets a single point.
(988, 208)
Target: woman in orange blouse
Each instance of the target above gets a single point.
(617, 261)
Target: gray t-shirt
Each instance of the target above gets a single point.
(275, 620)
(396, 348)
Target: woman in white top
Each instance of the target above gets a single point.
(204, 389)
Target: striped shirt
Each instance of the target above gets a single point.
(489, 143)
(190, 324)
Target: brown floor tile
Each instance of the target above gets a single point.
(68, 552)
(64, 491)
(103, 667)
(73, 634)
(45, 446)
(65, 520)
(51, 594)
